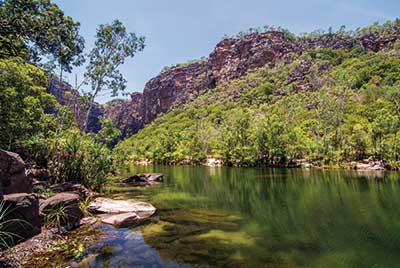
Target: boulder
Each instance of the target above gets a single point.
(128, 219)
(213, 162)
(371, 166)
(70, 202)
(74, 187)
(11, 163)
(145, 178)
(13, 178)
(22, 215)
(41, 174)
(106, 205)
(361, 166)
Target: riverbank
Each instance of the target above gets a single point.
(251, 217)
(38, 217)
(361, 165)
(52, 244)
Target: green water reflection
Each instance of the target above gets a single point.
(276, 218)
(231, 217)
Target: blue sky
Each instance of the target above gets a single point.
(180, 30)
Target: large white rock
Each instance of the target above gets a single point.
(107, 205)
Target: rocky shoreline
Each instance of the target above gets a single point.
(36, 221)
(362, 165)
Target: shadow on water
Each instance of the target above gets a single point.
(234, 217)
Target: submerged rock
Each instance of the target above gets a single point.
(146, 178)
(106, 205)
(124, 219)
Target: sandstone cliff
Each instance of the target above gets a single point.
(232, 58)
(64, 95)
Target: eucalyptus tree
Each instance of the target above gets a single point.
(38, 30)
(112, 46)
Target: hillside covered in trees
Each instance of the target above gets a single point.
(329, 105)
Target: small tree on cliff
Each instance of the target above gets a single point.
(113, 45)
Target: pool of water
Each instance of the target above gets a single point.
(253, 217)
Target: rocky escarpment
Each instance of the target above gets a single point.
(176, 86)
(66, 96)
(231, 59)
(127, 115)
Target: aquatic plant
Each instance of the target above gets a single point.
(72, 248)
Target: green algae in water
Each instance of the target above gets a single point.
(239, 238)
(69, 247)
(281, 218)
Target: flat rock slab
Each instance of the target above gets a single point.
(65, 199)
(106, 205)
(124, 219)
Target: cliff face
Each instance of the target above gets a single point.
(64, 95)
(174, 87)
(231, 59)
(127, 115)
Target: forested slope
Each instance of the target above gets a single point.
(330, 106)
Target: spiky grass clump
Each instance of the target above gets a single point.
(6, 238)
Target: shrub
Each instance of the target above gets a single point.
(56, 216)
(77, 157)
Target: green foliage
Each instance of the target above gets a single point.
(55, 217)
(42, 191)
(32, 29)
(6, 237)
(23, 102)
(27, 128)
(346, 108)
(112, 46)
(37, 28)
(80, 158)
(108, 133)
(84, 206)
(70, 249)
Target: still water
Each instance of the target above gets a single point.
(249, 217)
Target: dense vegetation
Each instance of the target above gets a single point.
(328, 106)
(36, 40)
